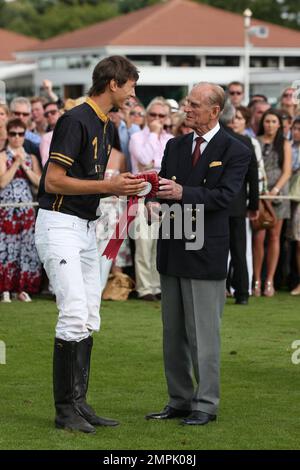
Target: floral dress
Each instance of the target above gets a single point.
(20, 268)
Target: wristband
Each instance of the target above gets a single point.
(276, 189)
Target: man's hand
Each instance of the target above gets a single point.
(252, 215)
(168, 189)
(126, 184)
(47, 85)
(155, 126)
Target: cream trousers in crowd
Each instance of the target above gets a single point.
(146, 274)
(67, 248)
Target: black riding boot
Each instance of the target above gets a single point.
(83, 360)
(64, 388)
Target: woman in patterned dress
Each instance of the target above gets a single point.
(277, 155)
(20, 269)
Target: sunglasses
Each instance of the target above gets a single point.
(235, 92)
(287, 95)
(157, 115)
(167, 127)
(15, 134)
(136, 113)
(18, 113)
(51, 112)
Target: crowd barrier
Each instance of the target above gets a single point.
(35, 204)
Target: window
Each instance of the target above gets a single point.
(75, 62)
(183, 61)
(271, 62)
(60, 62)
(145, 59)
(222, 61)
(45, 63)
(147, 92)
(292, 62)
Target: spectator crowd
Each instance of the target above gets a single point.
(261, 261)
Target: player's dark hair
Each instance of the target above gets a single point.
(112, 68)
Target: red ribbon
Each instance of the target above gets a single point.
(121, 230)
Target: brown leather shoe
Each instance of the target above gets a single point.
(198, 418)
(168, 413)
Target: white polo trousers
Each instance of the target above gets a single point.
(67, 248)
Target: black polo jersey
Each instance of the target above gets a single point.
(81, 143)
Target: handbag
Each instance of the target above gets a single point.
(267, 218)
(118, 287)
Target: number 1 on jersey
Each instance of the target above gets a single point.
(95, 145)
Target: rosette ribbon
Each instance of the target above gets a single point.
(121, 230)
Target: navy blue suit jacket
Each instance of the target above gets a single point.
(214, 182)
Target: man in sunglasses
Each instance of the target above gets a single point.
(51, 113)
(236, 93)
(20, 108)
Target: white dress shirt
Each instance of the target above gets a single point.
(208, 136)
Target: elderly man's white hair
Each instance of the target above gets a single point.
(216, 96)
(20, 100)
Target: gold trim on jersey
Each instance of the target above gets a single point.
(97, 110)
(54, 203)
(54, 157)
(60, 202)
(57, 203)
(63, 156)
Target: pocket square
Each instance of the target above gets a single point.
(212, 164)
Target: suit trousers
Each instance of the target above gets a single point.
(67, 248)
(240, 277)
(191, 316)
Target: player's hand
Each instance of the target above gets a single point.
(126, 184)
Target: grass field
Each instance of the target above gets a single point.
(260, 385)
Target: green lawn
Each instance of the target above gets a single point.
(260, 385)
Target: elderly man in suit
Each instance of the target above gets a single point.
(206, 167)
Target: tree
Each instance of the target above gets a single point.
(126, 6)
(46, 18)
(282, 12)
